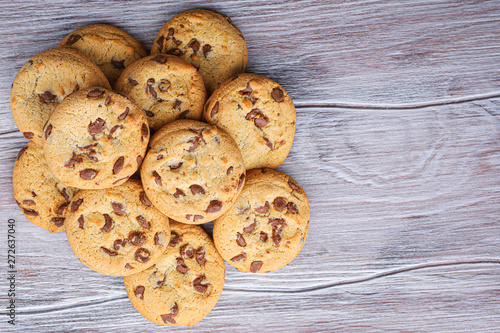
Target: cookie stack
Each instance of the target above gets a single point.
(131, 201)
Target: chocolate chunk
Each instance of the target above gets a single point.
(181, 266)
(149, 113)
(277, 95)
(215, 109)
(95, 92)
(21, 152)
(139, 160)
(71, 161)
(197, 218)
(65, 194)
(230, 170)
(107, 100)
(195, 143)
(206, 49)
(108, 224)
(60, 209)
(250, 228)
(139, 292)
(176, 41)
(255, 266)
(293, 185)
(157, 240)
(252, 114)
(174, 310)
(200, 256)
(33, 194)
(241, 256)
(164, 85)
(168, 319)
(198, 286)
(143, 222)
(88, 174)
(144, 131)
(118, 165)
(241, 180)
(109, 252)
(160, 43)
(132, 81)
(174, 239)
(177, 104)
(187, 251)
(152, 91)
(175, 52)
(30, 212)
(276, 239)
(128, 266)
(118, 208)
(144, 199)
(142, 255)
(114, 129)
(170, 33)
(194, 44)
(292, 208)
(124, 114)
(261, 121)
(268, 143)
(157, 178)
(262, 209)
(214, 206)
(80, 221)
(119, 243)
(263, 236)
(118, 64)
(160, 58)
(76, 204)
(244, 210)
(178, 193)
(58, 221)
(280, 204)
(159, 157)
(240, 240)
(247, 91)
(175, 166)
(73, 39)
(32, 202)
(197, 189)
(48, 97)
(97, 126)
(137, 238)
(277, 224)
(119, 180)
(28, 135)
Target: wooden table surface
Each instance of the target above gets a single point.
(397, 146)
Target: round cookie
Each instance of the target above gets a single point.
(208, 41)
(95, 138)
(260, 116)
(111, 48)
(40, 195)
(116, 231)
(44, 81)
(185, 283)
(165, 87)
(267, 226)
(193, 171)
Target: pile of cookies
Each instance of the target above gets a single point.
(131, 202)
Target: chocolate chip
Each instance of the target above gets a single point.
(262, 209)
(144, 199)
(181, 266)
(175, 52)
(139, 292)
(137, 238)
(128, 266)
(195, 143)
(118, 64)
(149, 113)
(33, 194)
(65, 194)
(198, 286)
(143, 222)
(160, 43)
(168, 319)
(240, 240)
(132, 81)
(280, 204)
(252, 114)
(183, 115)
(241, 256)
(187, 251)
(230, 170)
(255, 266)
(144, 131)
(197, 189)
(159, 157)
(30, 212)
(174, 310)
(139, 160)
(118, 165)
(124, 114)
(178, 193)
(119, 180)
(48, 130)
(157, 178)
(244, 210)
(71, 161)
(247, 91)
(198, 218)
(263, 236)
(293, 185)
(277, 95)
(160, 58)
(174, 239)
(268, 143)
(241, 180)
(60, 209)
(200, 256)
(261, 121)
(119, 243)
(250, 228)
(80, 221)
(114, 129)
(164, 85)
(76, 204)
(28, 135)
(109, 252)
(215, 109)
(177, 104)
(108, 223)
(277, 223)
(152, 91)
(194, 44)
(175, 166)
(88, 174)
(292, 208)
(95, 92)
(48, 97)
(73, 39)
(206, 49)
(142, 255)
(276, 239)
(32, 202)
(118, 208)
(97, 126)
(107, 100)
(21, 152)
(176, 41)
(214, 206)
(58, 221)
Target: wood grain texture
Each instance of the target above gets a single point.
(397, 146)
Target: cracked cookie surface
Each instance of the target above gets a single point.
(95, 138)
(116, 231)
(40, 195)
(184, 284)
(166, 88)
(267, 226)
(193, 171)
(208, 41)
(260, 116)
(111, 48)
(44, 81)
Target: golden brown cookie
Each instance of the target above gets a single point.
(267, 226)
(111, 48)
(193, 171)
(165, 87)
(95, 138)
(208, 41)
(44, 81)
(185, 283)
(260, 116)
(116, 231)
(40, 195)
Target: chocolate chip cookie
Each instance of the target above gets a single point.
(116, 231)
(95, 138)
(260, 116)
(40, 195)
(193, 171)
(165, 87)
(44, 81)
(208, 41)
(266, 227)
(185, 283)
(111, 48)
